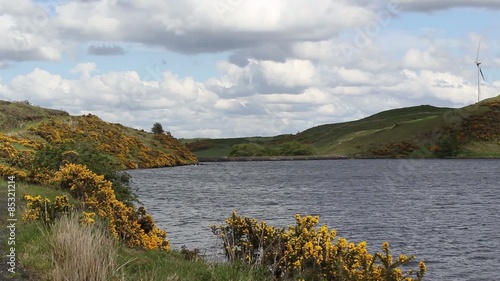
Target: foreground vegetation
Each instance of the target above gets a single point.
(77, 251)
(418, 132)
(305, 252)
(78, 218)
(71, 246)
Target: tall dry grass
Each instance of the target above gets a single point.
(82, 252)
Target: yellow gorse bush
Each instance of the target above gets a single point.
(306, 251)
(87, 218)
(43, 209)
(248, 239)
(98, 196)
(136, 228)
(6, 171)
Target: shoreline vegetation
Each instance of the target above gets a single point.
(72, 245)
(271, 158)
(77, 215)
(319, 157)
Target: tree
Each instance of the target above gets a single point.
(449, 146)
(157, 128)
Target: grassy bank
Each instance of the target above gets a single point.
(68, 247)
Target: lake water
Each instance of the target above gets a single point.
(446, 212)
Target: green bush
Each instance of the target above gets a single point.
(295, 148)
(247, 150)
(448, 146)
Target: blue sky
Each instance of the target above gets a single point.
(227, 68)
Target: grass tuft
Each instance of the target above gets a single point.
(81, 252)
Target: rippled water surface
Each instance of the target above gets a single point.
(446, 212)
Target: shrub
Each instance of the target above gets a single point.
(307, 252)
(38, 208)
(7, 171)
(448, 146)
(247, 239)
(295, 148)
(247, 150)
(136, 228)
(52, 157)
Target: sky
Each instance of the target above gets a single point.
(233, 68)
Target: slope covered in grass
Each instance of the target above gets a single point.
(19, 114)
(420, 131)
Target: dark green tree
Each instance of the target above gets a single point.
(449, 146)
(157, 128)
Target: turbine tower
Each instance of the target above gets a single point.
(479, 73)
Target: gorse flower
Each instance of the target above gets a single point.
(136, 228)
(304, 250)
(43, 209)
(87, 218)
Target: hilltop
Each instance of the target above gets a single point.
(15, 115)
(419, 131)
(26, 129)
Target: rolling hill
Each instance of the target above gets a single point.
(420, 131)
(26, 130)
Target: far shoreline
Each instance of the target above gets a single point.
(271, 158)
(325, 157)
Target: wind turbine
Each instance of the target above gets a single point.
(479, 73)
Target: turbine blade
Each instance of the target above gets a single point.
(481, 71)
(478, 47)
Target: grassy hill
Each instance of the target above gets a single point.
(420, 131)
(206, 148)
(25, 130)
(15, 115)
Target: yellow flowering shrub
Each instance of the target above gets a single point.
(307, 252)
(87, 218)
(24, 142)
(249, 240)
(7, 150)
(38, 208)
(6, 171)
(79, 180)
(136, 228)
(41, 176)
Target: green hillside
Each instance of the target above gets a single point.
(14, 115)
(420, 131)
(29, 133)
(392, 125)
